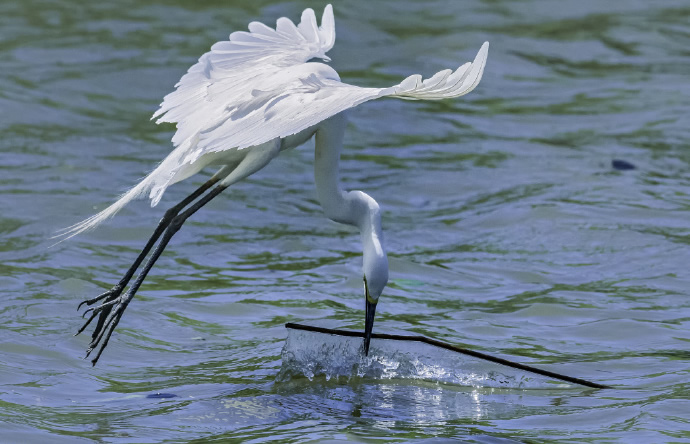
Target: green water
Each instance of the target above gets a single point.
(508, 230)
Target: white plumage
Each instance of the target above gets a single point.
(259, 86)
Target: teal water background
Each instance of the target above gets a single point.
(508, 230)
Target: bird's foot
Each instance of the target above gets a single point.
(110, 294)
(109, 297)
(109, 313)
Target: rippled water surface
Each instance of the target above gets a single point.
(508, 229)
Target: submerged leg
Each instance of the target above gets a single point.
(112, 309)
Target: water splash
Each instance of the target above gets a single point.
(310, 354)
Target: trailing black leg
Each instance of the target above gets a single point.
(111, 295)
(115, 306)
(115, 303)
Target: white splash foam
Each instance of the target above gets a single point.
(311, 354)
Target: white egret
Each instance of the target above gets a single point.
(238, 107)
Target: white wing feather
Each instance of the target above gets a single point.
(228, 73)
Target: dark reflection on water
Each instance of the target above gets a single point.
(508, 226)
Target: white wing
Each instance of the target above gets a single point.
(257, 87)
(236, 108)
(317, 94)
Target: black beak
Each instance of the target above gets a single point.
(368, 324)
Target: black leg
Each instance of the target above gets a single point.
(111, 311)
(112, 295)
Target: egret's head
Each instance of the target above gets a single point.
(374, 261)
(375, 266)
(372, 291)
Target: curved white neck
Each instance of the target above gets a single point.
(354, 207)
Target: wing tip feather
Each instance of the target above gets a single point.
(327, 28)
(464, 80)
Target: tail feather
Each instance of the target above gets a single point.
(157, 181)
(88, 224)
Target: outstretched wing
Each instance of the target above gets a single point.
(315, 95)
(257, 87)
